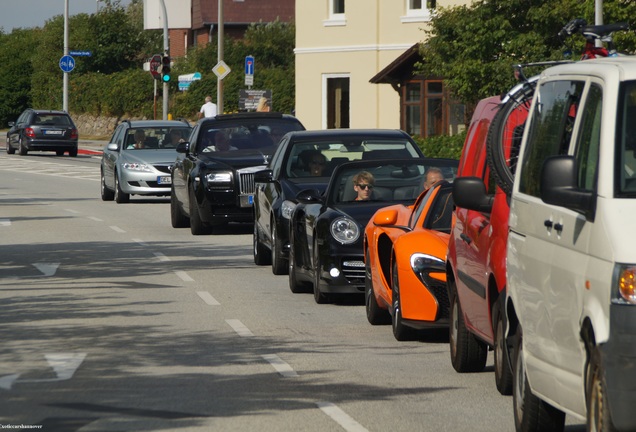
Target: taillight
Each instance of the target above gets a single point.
(29, 132)
(74, 134)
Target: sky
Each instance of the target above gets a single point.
(34, 13)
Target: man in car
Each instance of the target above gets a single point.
(363, 185)
(433, 175)
(222, 142)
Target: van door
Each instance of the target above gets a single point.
(550, 243)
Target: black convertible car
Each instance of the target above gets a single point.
(327, 230)
(305, 160)
(213, 176)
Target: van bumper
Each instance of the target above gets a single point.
(619, 364)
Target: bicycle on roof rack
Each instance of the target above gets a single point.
(505, 133)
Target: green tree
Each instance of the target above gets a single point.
(474, 47)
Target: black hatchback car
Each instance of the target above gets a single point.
(42, 130)
(305, 160)
(213, 176)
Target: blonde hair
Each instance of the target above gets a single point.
(263, 104)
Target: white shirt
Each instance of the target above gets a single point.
(208, 109)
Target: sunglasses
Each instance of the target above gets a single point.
(365, 186)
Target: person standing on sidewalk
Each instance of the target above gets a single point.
(208, 109)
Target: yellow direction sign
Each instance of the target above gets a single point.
(221, 69)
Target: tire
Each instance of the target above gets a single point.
(280, 265)
(262, 255)
(107, 194)
(59, 152)
(295, 286)
(375, 314)
(10, 150)
(599, 418)
(401, 332)
(177, 218)
(504, 137)
(319, 297)
(530, 413)
(197, 227)
(22, 148)
(120, 196)
(467, 353)
(503, 370)
(73, 152)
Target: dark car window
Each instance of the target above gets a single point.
(440, 217)
(154, 137)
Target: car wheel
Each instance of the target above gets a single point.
(120, 196)
(294, 286)
(262, 255)
(503, 371)
(319, 297)
(197, 227)
(177, 218)
(73, 152)
(107, 194)
(23, 149)
(598, 415)
(10, 150)
(401, 332)
(280, 265)
(530, 412)
(467, 353)
(375, 314)
(59, 152)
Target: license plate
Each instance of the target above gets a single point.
(164, 180)
(53, 132)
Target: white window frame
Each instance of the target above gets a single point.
(422, 14)
(335, 19)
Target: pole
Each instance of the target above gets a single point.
(166, 52)
(219, 81)
(65, 79)
(598, 12)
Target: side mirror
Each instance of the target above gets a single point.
(309, 196)
(559, 186)
(183, 147)
(11, 124)
(385, 217)
(263, 176)
(112, 147)
(470, 193)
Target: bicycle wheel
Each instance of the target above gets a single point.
(505, 133)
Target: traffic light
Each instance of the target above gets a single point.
(165, 69)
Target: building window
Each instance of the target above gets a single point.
(336, 13)
(337, 102)
(419, 10)
(427, 110)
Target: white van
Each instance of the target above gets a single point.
(571, 258)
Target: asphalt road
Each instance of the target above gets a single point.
(111, 320)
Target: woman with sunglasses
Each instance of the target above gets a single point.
(363, 185)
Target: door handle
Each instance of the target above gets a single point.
(547, 223)
(558, 227)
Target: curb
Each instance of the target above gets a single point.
(89, 152)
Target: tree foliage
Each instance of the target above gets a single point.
(474, 47)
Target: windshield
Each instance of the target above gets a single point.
(626, 139)
(155, 137)
(390, 182)
(318, 158)
(261, 135)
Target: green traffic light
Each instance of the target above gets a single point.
(165, 78)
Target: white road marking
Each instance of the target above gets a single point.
(47, 269)
(207, 297)
(281, 367)
(71, 211)
(184, 276)
(341, 417)
(239, 328)
(117, 229)
(64, 365)
(5, 222)
(141, 242)
(96, 219)
(161, 256)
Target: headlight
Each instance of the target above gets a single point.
(219, 177)
(423, 263)
(626, 283)
(136, 167)
(345, 230)
(287, 209)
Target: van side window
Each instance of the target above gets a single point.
(554, 114)
(626, 133)
(587, 148)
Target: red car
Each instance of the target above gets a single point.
(405, 261)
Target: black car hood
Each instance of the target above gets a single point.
(361, 211)
(234, 159)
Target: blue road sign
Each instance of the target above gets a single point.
(249, 65)
(81, 53)
(67, 63)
